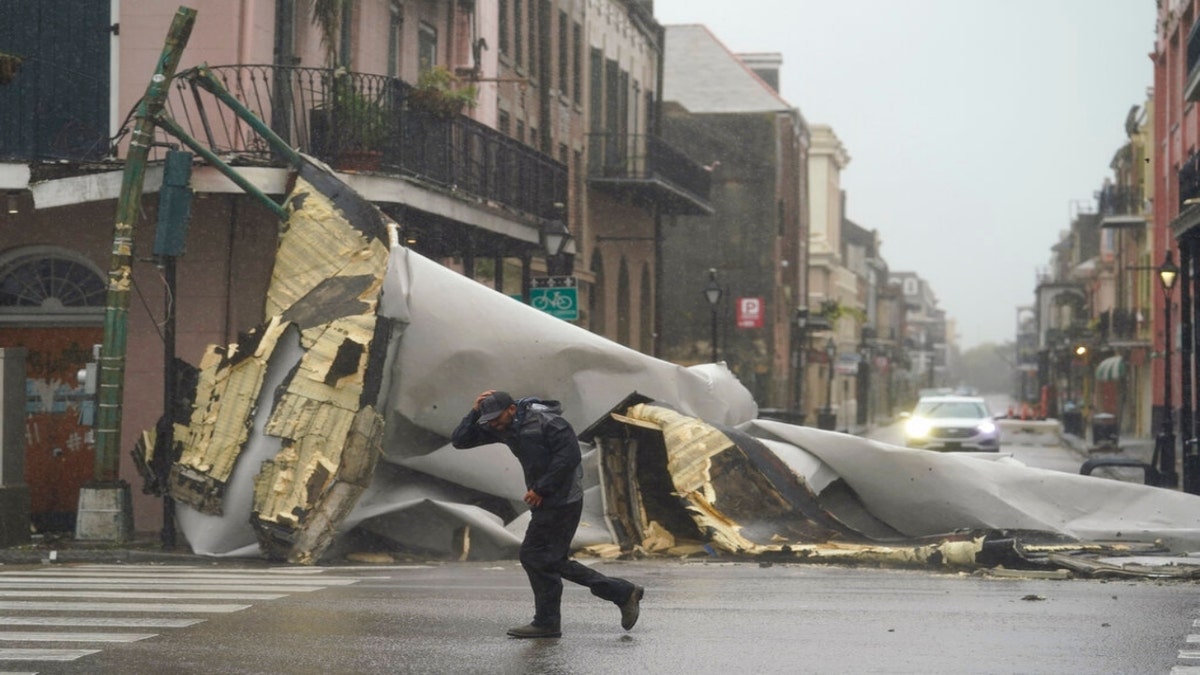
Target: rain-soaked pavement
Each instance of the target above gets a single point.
(698, 617)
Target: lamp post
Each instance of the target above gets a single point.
(554, 237)
(712, 292)
(801, 359)
(1165, 447)
(826, 419)
(929, 352)
(864, 378)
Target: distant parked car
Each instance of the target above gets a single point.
(951, 423)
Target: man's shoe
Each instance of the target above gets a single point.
(632, 607)
(534, 631)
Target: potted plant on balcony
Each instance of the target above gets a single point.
(441, 93)
(359, 123)
(350, 128)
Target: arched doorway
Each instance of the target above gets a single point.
(52, 304)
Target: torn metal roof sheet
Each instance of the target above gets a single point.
(332, 417)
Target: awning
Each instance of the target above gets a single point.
(1110, 369)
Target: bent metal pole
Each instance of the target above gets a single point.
(116, 310)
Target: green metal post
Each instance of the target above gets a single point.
(173, 128)
(112, 355)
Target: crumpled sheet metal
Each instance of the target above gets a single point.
(460, 337)
(998, 533)
(921, 493)
(435, 342)
(326, 280)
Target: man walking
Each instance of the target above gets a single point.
(545, 445)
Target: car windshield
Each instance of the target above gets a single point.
(936, 409)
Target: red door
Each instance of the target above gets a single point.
(60, 449)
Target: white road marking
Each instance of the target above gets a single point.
(47, 636)
(99, 621)
(44, 654)
(59, 597)
(171, 585)
(88, 576)
(138, 595)
(30, 605)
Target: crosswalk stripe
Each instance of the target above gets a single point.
(155, 575)
(47, 636)
(60, 599)
(99, 621)
(118, 607)
(140, 595)
(173, 585)
(44, 654)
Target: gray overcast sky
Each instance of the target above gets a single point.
(972, 125)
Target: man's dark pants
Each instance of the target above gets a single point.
(544, 555)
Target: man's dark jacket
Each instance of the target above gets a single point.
(542, 441)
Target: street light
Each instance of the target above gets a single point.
(1165, 448)
(554, 237)
(864, 376)
(712, 292)
(801, 359)
(826, 419)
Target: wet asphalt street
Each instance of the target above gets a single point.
(698, 617)
(706, 616)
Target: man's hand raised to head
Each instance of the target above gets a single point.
(479, 399)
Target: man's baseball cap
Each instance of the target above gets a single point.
(491, 407)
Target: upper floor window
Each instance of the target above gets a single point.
(504, 27)
(577, 64)
(564, 58)
(518, 24)
(344, 40)
(395, 28)
(427, 44)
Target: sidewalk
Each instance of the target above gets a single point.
(63, 548)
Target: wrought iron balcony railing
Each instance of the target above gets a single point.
(337, 115)
(1189, 180)
(647, 164)
(1118, 325)
(1120, 200)
(1191, 85)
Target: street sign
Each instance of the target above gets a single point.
(749, 312)
(556, 296)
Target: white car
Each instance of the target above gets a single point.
(950, 423)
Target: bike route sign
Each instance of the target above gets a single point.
(556, 296)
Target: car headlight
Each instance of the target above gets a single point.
(917, 427)
(986, 427)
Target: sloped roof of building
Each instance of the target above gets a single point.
(704, 76)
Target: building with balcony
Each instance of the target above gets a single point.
(1176, 226)
(372, 94)
(831, 283)
(925, 343)
(880, 322)
(721, 110)
(1123, 314)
